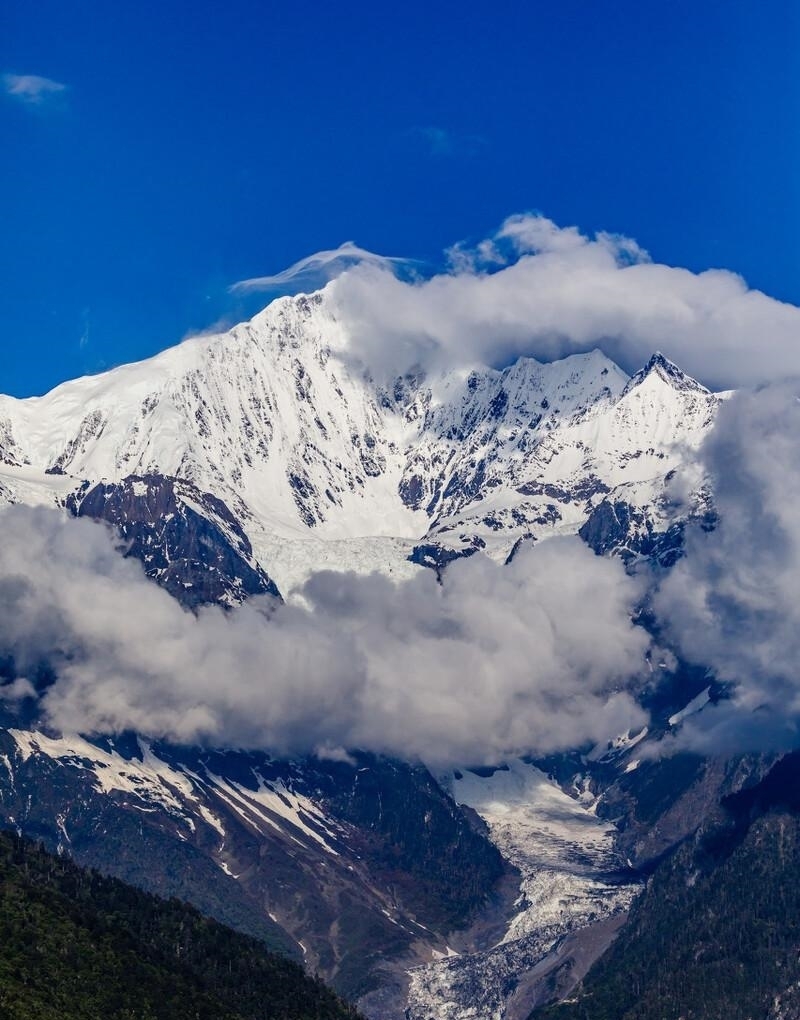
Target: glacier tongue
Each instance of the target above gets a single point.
(572, 880)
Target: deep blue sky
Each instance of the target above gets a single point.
(199, 143)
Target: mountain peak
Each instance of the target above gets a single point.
(659, 366)
(660, 360)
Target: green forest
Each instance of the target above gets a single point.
(76, 945)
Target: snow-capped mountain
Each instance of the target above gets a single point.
(238, 464)
(322, 466)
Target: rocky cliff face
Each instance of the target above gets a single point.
(187, 540)
(359, 867)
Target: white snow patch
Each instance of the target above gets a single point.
(617, 746)
(695, 705)
(271, 803)
(150, 780)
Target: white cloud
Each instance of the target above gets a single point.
(496, 661)
(314, 271)
(557, 292)
(733, 603)
(32, 88)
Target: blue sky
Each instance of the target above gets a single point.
(156, 153)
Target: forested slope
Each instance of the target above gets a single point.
(716, 935)
(75, 945)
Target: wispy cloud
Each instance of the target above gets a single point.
(83, 342)
(440, 142)
(316, 270)
(32, 89)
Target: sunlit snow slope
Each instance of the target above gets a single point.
(324, 467)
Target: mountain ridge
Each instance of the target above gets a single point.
(320, 465)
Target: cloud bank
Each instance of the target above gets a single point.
(733, 603)
(497, 661)
(545, 291)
